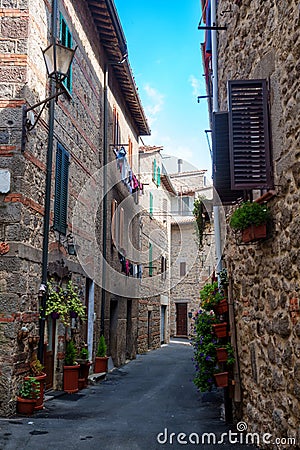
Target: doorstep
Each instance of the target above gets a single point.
(94, 378)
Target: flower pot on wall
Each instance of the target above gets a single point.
(220, 329)
(254, 232)
(26, 405)
(221, 379)
(221, 307)
(101, 364)
(222, 354)
(71, 374)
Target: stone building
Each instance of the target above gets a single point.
(155, 251)
(192, 263)
(99, 110)
(258, 67)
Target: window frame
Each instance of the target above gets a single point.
(60, 219)
(67, 41)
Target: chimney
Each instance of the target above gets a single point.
(179, 162)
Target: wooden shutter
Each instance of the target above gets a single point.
(114, 205)
(158, 177)
(249, 134)
(221, 160)
(150, 260)
(151, 204)
(61, 190)
(66, 40)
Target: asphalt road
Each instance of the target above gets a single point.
(137, 407)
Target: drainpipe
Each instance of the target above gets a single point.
(104, 203)
(47, 204)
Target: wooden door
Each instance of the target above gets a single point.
(181, 319)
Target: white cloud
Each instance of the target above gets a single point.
(156, 102)
(196, 84)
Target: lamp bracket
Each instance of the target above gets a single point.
(26, 124)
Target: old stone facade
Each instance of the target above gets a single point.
(84, 130)
(262, 41)
(155, 256)
(192, 264)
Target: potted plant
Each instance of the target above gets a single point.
(225, 353)
(204, 350)
(220, 329)
(28, 395)
(101, 360)
(36, 370)
(210, 296)
(73, 301)
(84, 369)
(250, 218)
(71, 369)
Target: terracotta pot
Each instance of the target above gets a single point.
(101, 363)
(41, 379)
(84, 372)
(222, 354)
(81, 383)
(220, 329)
(221, 307)
(221, 379)
(254, 232)
(26, 405)
(71, 378)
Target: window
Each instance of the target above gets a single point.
(61, 189)
(121, 228)
(66, 40)
(150, 260)
(151, 204)
(182, 269)
(249, 141)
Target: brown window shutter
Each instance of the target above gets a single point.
(221, 160)
(249, 140)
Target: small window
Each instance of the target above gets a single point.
(114, 206)
(182, 269)
(121, 228)
(61, 190)
(66, 40)
(116, 128)
(163, 268)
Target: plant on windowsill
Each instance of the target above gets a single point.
(101, 360)
(250, 218)
(28, 395)
(71, 368)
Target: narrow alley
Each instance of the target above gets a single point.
(138, 406)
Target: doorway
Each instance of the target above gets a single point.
(163, 312)
(49, 351)
(181, 319)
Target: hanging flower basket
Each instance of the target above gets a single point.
(220, 329)
(221, 379)
(221, 307)
(254, 233)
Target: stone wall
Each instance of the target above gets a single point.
(262, 41)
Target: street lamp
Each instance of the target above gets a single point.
(58, 60)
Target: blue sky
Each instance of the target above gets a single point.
(164, 52)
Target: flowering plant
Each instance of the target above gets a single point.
(64, 302)
(204, 350)
(210, 295)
